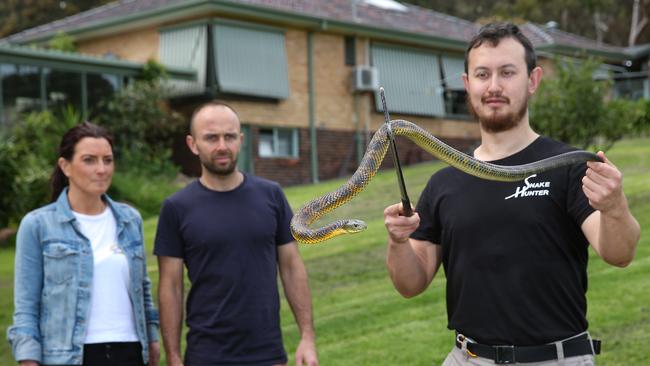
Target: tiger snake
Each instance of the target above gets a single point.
(375, 154)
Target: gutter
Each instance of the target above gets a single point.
(79, 62)
(572, 51)
(191, 8)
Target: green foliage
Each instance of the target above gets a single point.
(143, 129)
(146, 192)
(27, 156)
(23, 14)
(143, 135)
(574, 16)
(625, 117)
(144, 132)
(571, 106)
(8, 170)
(62, 42)
(643, 124)
(153, 72)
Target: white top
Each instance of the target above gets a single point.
(111, 316)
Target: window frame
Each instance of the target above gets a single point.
(275, 142)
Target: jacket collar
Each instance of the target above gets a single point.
(64, 210)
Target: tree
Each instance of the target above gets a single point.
(608, 20)
(18, 15)
(640, 13)
(27, 156)
(143, 128)
(62, 42)
(574, 108)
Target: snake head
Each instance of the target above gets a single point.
(354, 226)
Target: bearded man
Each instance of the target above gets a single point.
(514, 254)
(231, 231)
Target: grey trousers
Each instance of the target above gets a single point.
(460, 357)
(457, 357)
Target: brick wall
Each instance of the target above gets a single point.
(137, 45)
(338, 113)
(337, 157)
(286, 171)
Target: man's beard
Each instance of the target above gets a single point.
(215, 169)
(494, 122)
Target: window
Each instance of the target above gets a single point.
(455, 94)
(456, 103)
(350, 51)
(631, 88)
(186, 47)
(63, 88)
(21, 90)
(411, 78)
(278, 142)
(100, 86)
(250, 60)
(230, 57)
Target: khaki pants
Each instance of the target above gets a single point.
(457, 357)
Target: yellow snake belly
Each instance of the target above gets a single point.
(375, 154)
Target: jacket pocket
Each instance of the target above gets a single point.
(60, 262)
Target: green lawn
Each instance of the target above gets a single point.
(360, 318)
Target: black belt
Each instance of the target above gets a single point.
(501, 355)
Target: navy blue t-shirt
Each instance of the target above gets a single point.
(228, 241)
(514, 253)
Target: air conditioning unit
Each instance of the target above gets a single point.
(365, 78)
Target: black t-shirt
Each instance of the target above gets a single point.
(228, 241)
(514, 254)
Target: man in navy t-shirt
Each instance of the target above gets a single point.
(231, 231)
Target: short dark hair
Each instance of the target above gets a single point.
(494, 33)
(212, 103)
(69, 141)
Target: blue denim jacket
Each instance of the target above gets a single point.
(53, 279)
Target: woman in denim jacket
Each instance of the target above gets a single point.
(81, 290)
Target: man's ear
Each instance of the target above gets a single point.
(534, 80)
(189, 140)
(466, 81)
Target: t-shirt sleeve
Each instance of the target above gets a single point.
(577, 203)
(285, 215)
(168, 242)
(429, 228)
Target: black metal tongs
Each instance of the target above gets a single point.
(406, 203)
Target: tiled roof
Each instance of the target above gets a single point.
(109, 11)
(542, 36)
(412, 20)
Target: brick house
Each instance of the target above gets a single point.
(303, 75)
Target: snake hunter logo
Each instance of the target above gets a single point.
(531, 189)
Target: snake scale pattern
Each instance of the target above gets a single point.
(375, 154)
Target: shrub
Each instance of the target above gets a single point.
(569, 106)
(142, 128)
(8, 170)
(623, 117)
(144, 131)
(62, 42)
(27, 156)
